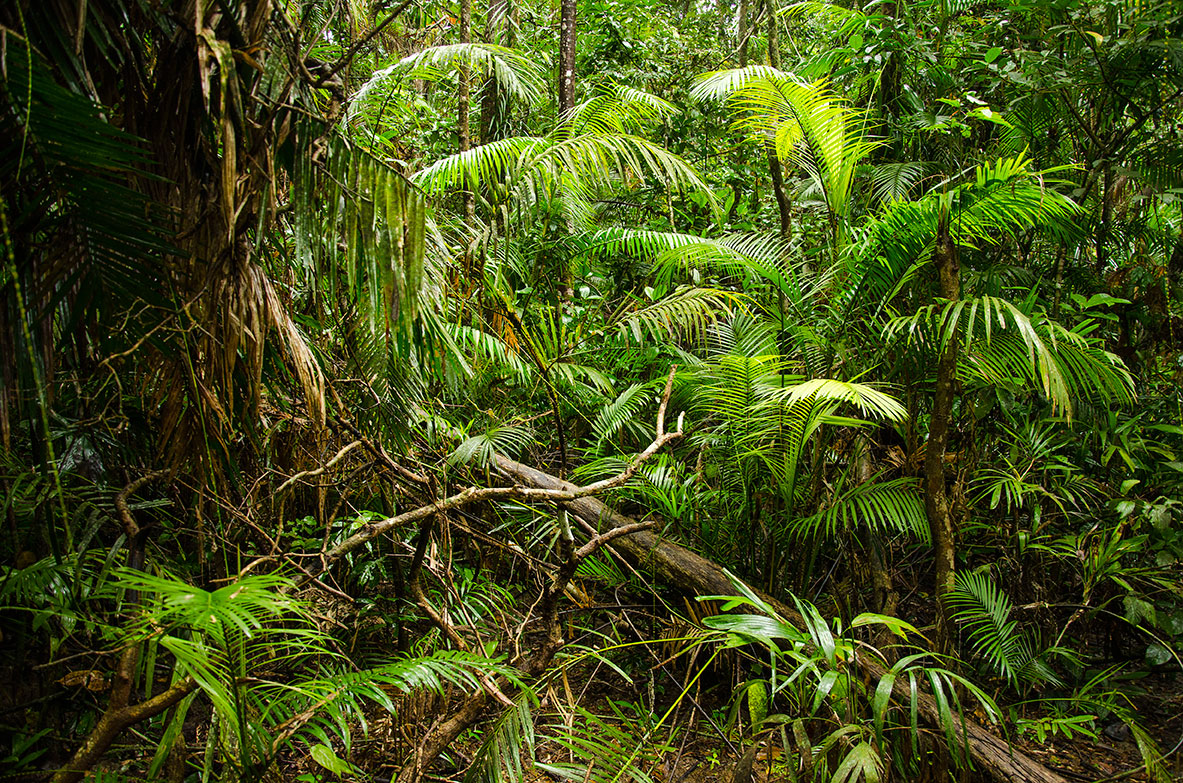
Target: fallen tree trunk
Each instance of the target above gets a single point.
(682, 568)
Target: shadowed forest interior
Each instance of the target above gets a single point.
(591, 390)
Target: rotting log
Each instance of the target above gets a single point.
(686, 570)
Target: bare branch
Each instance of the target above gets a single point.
(608, 535)
(340, 455)
(529, 494)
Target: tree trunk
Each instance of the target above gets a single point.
(774, 168)
(1102, 235)
(773, 34)
(744, 34)
(462, 124)
(936, 496)
(680, 567)
(492, 110)
(567, 24)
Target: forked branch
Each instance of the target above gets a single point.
(529, 494)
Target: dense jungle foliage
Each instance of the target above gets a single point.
(593, 390)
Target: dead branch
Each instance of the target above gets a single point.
(474, 706)
(529, 494)
(340, 455)
(680, 567)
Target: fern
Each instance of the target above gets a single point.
(602, 749)
(895, 506)
(480, 450)
(984, 611)
(685, 312)
(499, 759)
(618, 414)
(895, 181)
(513, 72)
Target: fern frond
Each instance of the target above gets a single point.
(481, 450)
(514, 73)
(984, 611)
(615, 415)
(499, 759)
(687, 311)
(895, 506)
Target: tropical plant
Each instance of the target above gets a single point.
(270, 674)
(811, 670)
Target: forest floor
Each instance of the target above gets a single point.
(702, 740)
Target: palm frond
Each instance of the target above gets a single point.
(869, 400)
(481, 450)
(499, 759)
(984, 611)
(485, 347)
(499, 161)
(513, 72)
(606, 750)
(1002, 344)
(809, 124)
(895, 506)
(618, 414)
(895, 181)
(616, 109)
(862, 762)
(687, 311)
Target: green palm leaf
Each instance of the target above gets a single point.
(513, 72)
(809, 124)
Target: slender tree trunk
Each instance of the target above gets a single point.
(462, 124)
(744, 34)
(567, 41)
(1102, 237)
(567, 24)
(465, 89)
(936, 496)
(1061, 254)
(783, 205)
(464, 131)
(773, 34)
(499, 30)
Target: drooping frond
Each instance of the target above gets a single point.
(513, 72)
(102, 236)
(499, 759)
(606, 750)
(869, 400)
(613, 417)
(334, 701)
(895, 181)
(984, 611)
(895, 506)
(600, 159)
(1004, 344)
(532, 170)
(480, 450)
(607, 243)
(616, 108)
(862, 762)
(809, 124)
(485, 347)
(498, 162)
(687, 311)
(1002, 201)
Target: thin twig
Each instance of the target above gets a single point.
(340, 455)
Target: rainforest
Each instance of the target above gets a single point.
(614, 391)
